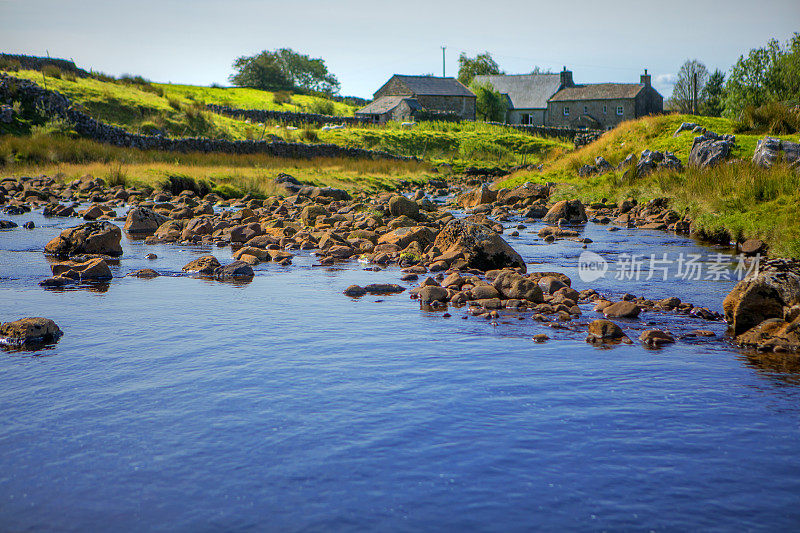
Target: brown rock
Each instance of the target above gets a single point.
(146, 273)
(143, 221)
(482, 248)
(621, 310)
(29, 330)
(205, 265)
(431, 293)
(515, 286)
(355, 291)
(604, 330)
(760, 297)
(93, 269)
(569, 210)
(655, 337)
(98, 237)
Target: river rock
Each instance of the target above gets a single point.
(310, 213)
(603, 331)
(145, 273)
(141, 220)
(515, 286)
(29, 330)
(355, 291)
(759, 298)
(384, 288)
(476, 197)
(238, 270)
(99, 237)
(570, 210)
(621, 310)
(401, 206)
(402, 237)
(655, 338)
(774, 335)
(431, 293)
(481, 248)
(93, 269)
(205, 265)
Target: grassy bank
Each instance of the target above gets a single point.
(746, 200)
(460, 144)
(173, 110)
(227, 174)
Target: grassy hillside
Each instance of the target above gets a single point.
(459, 144)
(745, 200)
(174, 110)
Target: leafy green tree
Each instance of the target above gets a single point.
(284, 69)
(490, 106)
(749, 81)
(692, 78)
(713, 94)
(480, 65)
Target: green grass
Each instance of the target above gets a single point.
(175, 110)
(250, 99)
(460, 144)
(748, 201)
(69, 158)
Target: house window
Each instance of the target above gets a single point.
(605, 109)
(619, 110)
(526, 118)
(566, 110)
(586, 110)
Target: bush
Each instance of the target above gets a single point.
(282, 97)
(116, 176)
(174, 103)
(100, 76)
(51, 71)
(9, 64)
(149, 128)
(322, 107)
(309, 134)
(775, 118)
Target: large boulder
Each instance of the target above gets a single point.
(476, 197)
(402, 237)
(759, 298)
(310, 213)
(29, 330)
(569, 210)
(143, 220)
(481, 247)
(238, 270)
(769, 149)
(523, 192)
(99, 237)
(773, 334)
(710, 149)
(401, 206)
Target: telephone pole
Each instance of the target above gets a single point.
(443, 49)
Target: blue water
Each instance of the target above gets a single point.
(281, 405)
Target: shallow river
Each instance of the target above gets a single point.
(282, 405)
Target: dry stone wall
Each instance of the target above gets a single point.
(263, 115)
(54, 104)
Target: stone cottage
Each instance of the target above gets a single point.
(603, 105)
(555, 100)
(402, 96)
(527, 94)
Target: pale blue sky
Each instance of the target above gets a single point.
(365, 42)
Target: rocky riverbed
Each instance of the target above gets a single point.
(448, 239)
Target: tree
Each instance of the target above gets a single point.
(539, 70)
(749, 79)
(480, 65)
(284, 69)
(692, 78)
(490, 105)
(713, 94)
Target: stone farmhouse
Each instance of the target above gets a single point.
(555, 100)
(402, 97)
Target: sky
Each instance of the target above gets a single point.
(364, 42)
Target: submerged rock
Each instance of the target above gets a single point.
(238, 270)
(205, 265)
(31, 330)
(655, 338)
(93, 269)
(621, 310)
(601, 331)
(355, 291)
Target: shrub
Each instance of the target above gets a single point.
(70, 77)
(101, 76)
(774, 117)
(309, 134)
(282, 97)
(51, 71)
(149, 128)
(322, 107)
(116, 176)
(174, 103)
(9, 64)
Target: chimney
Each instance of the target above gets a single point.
(644, 79)
(566, 78)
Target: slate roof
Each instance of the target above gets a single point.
(598, 91)
(526, 91)
(432, 86)
(385, 104)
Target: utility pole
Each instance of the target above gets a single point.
(694, 93)
(443, 49)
